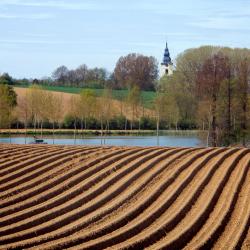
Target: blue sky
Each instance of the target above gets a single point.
(39, 35)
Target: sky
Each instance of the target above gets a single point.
(37, 36)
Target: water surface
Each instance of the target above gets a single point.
(164, 140)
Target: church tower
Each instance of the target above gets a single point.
(166, 65)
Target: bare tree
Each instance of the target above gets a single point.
(209, 79)
(74, 110)
(243, 90)
(136, 69)
(86, 106)
(134, 97)
(61, 74)
(54, 103)
(23, 111)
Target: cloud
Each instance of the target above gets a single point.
(39, 16)
(48, 42)
(67, 5)
(223, 23)
(144, 44)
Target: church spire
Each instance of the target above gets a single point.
(167, 67)
(166, 58)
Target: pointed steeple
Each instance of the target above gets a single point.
(166, 58)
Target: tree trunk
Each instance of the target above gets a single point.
(9, 131)
(214, 122)
(85, 123)
(41, 129)
(209, 125)
(82, 128)
(139, 126)
(85, 126)
(244, 99)
(126, 122)
(25, 131)
(157, 129)
(229, 104)
(75, 131)
(34, 125)
(101, 131)
(53, 132)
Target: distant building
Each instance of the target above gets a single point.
(166, 65)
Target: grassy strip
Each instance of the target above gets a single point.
(78, 132)
(98, 132)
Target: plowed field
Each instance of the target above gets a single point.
(68, 197)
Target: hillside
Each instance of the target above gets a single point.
(55, 197)
(147, 96)
(117, 106)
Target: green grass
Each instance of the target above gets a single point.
(147, 96)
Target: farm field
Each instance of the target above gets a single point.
(92, 197)
(147, 96)
(66, 97)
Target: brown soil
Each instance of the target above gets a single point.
(55, 197)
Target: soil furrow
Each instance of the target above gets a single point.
(35, 166)
(150, 215)
(155, 170)
(75, 216)
(55, 171)
(96, 197)
(72, 193)
(199, 213)
(220, 215)
(45, 192)
(236, 229)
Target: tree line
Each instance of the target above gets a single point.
(131, 70)
(39, 109)
(209, 90)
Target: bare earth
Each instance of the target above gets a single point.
(76, 197)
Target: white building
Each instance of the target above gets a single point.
(166, 67)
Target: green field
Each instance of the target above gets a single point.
(147, 96)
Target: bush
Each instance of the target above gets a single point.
(147, 123)
(69, 122)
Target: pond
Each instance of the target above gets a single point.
(164, 140)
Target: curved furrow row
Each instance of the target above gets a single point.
(20, 169)
(11, 182)
(12, 149)
(246, 241)
(11, 166)
(235, 231)
(189, 193)
(123, 220)
(156, 205)
(196, 217)
(68, 195)
(52, 188)
(14, 155)
(65, 219)
(154, 169)
(93, 208)
(75, 156)
(57, 168)
(7, 165)
(94, 197)
(220, 215)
